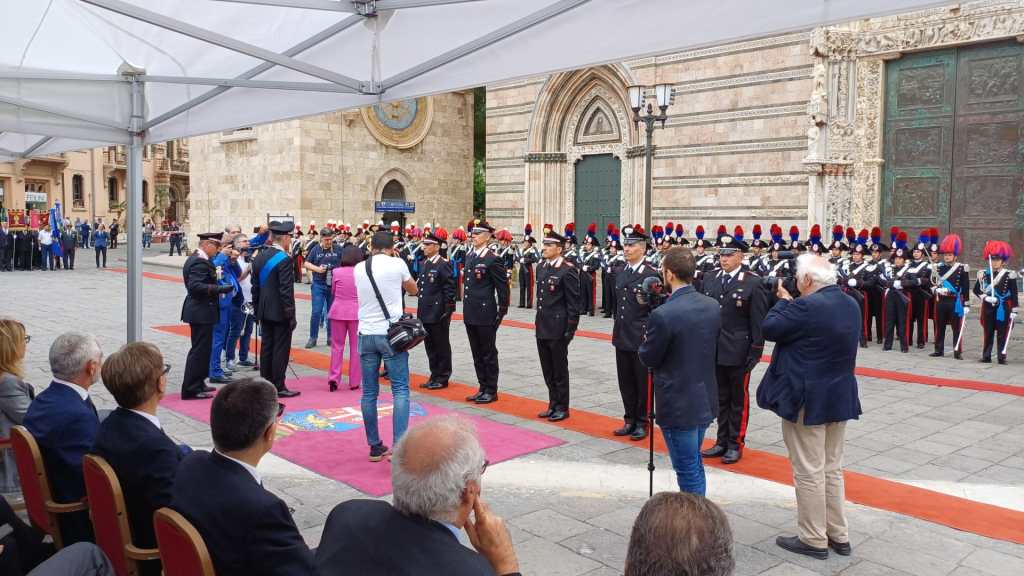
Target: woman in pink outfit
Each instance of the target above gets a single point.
(344, 318)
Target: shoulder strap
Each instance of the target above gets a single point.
(274, 260)
(376, 291)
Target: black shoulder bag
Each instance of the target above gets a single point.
(405, 333)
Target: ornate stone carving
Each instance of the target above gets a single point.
(839, 197)
(536, 157)
(970, 22)
(867, 131)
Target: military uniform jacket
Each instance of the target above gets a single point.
(614, 264)
(274, 301)
(865, 275)
(437, 290)
(559, 300)
(744, 305)
(630, 315)
(485, 288)
(201, 303)
(922, 269)
(590, 261)
(956, 279)
(1005, 289)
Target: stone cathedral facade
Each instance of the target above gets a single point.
(913, 120)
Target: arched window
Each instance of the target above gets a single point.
(112, 191)
(78, 191)
(393, 190)
(145, 194)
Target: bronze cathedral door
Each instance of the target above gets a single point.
(598, 184)
(954, 144)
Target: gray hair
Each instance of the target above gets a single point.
(433, 487)
(819, 271)
(70, 352)
(680, 533)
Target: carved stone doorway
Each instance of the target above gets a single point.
(954, 144)
(598, 193)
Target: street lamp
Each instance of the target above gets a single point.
(663, 95)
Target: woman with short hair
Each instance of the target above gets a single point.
(344, 319)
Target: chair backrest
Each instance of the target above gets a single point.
(182, 550)
(108, 514)
(35, 487)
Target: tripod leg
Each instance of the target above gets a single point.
(650, 429)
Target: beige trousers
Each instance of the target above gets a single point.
(816, 454)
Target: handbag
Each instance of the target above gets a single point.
(405, 333)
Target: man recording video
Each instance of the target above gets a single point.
(679, 346)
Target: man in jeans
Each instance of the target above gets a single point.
(320, 260)
(391, 276)
(241, 324)
(680, 346)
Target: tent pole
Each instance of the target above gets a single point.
(133, 222)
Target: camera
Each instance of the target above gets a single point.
(652, 292)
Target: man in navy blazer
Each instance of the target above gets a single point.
(680, 347)
(133, 442)
(810, 384)
(64, 422)
(247, 529)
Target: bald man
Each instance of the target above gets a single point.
(435, 471)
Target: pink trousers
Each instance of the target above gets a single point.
(340, 329)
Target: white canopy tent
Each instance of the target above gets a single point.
(78, 74)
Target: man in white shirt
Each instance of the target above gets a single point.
(46, 246)
(391, 276)
(241, 324)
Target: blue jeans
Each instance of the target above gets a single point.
(147, 240)
(321, 293)
(243, 341)
(234, 331)
(220, 336)
(684, 450)
(373, 349)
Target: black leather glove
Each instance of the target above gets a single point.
(292, 324)
(570, 330)
(449, 311)
(752, 361)
(502, 311)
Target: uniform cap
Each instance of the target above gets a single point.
(282, 227)
(210, 237)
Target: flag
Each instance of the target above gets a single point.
(57, 248)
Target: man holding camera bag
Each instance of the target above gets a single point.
(390, 275)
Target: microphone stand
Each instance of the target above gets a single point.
(650, 429)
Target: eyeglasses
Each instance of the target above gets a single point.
(28, 338)
(484, 468)
(280, 409)
(167, 368)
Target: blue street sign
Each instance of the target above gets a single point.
(382, 206)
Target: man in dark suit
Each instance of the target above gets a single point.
(435, 308)
(133, 442)
(68, 243)
(64, 422)
(485, 304)
(559, 305)
(202, 313)
(247, 529)
(743, 303)
(810, 384)
(631, 313)
(679, 346)
(273, 298)
(436, 463)
(6, 247)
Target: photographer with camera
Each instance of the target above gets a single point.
(743, 303)
(320, 260)
(679, 346)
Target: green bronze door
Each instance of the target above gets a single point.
(598, 183)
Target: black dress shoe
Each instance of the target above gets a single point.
(310, 343)
(474, 397)
(546, 414)
(886, 348)
(904, 349)
(639, 433)
(985, 360)
(332, 386)
(1002, 360)
(286, 393)
(486, 398)
(626, 430)
(920, 346)
(426, 384)
(220, 380)
(558, 416)
(936, 355)
(958, 355)
(841, 548)
(863, 344)
(731, 456)
(209, 389)
(796, 545)
(199, 396)
(437, 385)
(714, 452)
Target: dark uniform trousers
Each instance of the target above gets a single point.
(526, 285)
(485, 356)
(632, 375)
(197, 363)
(554, 365)
(439, 350)
(945, 315)
(897, 318)
(733, 405)
(485, 303)
(276, 345)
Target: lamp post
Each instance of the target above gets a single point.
(663, 94)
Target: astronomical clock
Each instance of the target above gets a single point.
(401, 124)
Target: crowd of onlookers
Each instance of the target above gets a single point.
(437, 477)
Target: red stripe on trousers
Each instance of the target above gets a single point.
(593, 291)
(866, 310)
(741, 438)
(910, 314)
(529, 290)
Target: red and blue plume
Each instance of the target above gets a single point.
(528, 231)
(721, 230)
(679, 231)
(794, 233)
(757, 232)
(776, 233)
(997, 249)
(570, 230)
(901, 240)
(638, 229)
(548, 228)
(459, 234)
(851, 235)
(610, 229)
(816, 234)
(924, 236)
(862, 238)
(592, 230)
(876, 235)
(933, 236)
(504, 235)
(657, 231)
(700, 232)
(669, 228)
(837, 232)
(441, 234)
(951, 244)
(738, 233)
(894, 233)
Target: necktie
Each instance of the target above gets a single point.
(88, 402)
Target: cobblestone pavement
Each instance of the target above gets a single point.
(570, 508)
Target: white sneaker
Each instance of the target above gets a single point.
(230, 365)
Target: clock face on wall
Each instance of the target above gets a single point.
(402, 124)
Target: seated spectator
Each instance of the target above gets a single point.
(64, 422)
(436, 471)
(25, 547)
(81, 559)
(247, 529)
(132, 441)
(680, 533)
(15, 395)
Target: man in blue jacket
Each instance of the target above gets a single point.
(811, 386)
(680, 347)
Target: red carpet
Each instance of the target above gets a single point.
(323, 431)
(955, 512)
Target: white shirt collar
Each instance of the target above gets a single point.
(202, 255)
(435, 258)
(152, 418)
(81, 391)
(248, 468)
(480, 252)
(556, 262)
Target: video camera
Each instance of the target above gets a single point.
(769, 282)
(652, 292)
